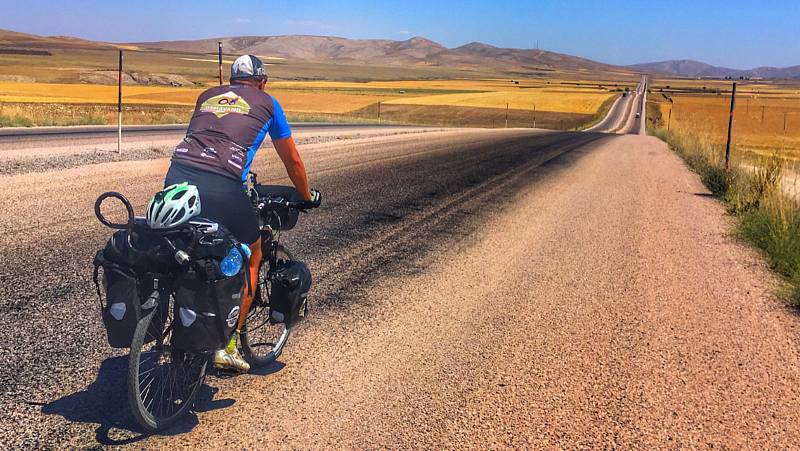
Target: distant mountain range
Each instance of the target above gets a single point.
(417, 51)
(414, 51)
(692, 68)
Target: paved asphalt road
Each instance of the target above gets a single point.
(473, 289)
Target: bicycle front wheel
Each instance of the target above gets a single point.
(162, 382)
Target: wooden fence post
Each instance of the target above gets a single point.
(730, 129)
(119, 105)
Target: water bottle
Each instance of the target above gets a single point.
(232, 263)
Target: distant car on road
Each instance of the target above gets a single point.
(638, 115)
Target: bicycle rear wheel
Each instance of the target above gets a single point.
(262, 338)
(162, 382)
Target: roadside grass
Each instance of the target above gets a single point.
(15, 121)
(295, 117)
(59, 114)
(766, 216)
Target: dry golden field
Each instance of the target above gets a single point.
(90, 93)
(78, 85)
(558, 103)
(762, 110)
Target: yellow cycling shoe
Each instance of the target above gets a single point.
(229, 358)
(226, 361)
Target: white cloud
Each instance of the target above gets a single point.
(405, 32)
(242, 20)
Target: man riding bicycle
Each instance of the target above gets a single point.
(227, 128)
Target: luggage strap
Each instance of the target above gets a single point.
(99, 259)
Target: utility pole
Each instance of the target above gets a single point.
(534, 115)
(119, 105)
(506, 115)
(730, 129)
(219, 58)
(379, 113)
(762, 114)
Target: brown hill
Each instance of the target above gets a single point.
(11, 40)
(312, 48)
(692, 68)
(417, 50)
(478, 54)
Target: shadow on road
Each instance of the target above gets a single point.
(105, 403)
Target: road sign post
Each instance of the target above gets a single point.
(730, 129)
(379, 113)
(219, 58)
(506, 115)
(119, 105)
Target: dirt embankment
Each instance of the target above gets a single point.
(110, 77)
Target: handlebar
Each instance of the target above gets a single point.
(280, 201)
(261, 201)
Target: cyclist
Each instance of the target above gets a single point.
(227, 128)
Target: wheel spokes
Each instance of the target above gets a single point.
(167, 378)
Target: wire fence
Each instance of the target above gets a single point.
(766, 125)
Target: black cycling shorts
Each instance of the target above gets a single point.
(222, 200)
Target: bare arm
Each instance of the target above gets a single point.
(294, 165)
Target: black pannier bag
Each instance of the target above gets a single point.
(126, 300)
(289, 286)
(206, 307)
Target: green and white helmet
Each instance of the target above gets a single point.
(173, 206)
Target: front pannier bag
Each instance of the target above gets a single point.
(289, 286)
(280, 217)
(206, 309)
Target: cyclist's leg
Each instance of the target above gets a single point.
(247, 298)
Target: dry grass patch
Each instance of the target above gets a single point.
(325, 102)
(556, 101)
(84, 93)
(50, 114)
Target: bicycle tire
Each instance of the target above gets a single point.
(257, 352)
(137, 393)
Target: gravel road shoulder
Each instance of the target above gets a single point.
(607, 306)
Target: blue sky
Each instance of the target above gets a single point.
(733, 33)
